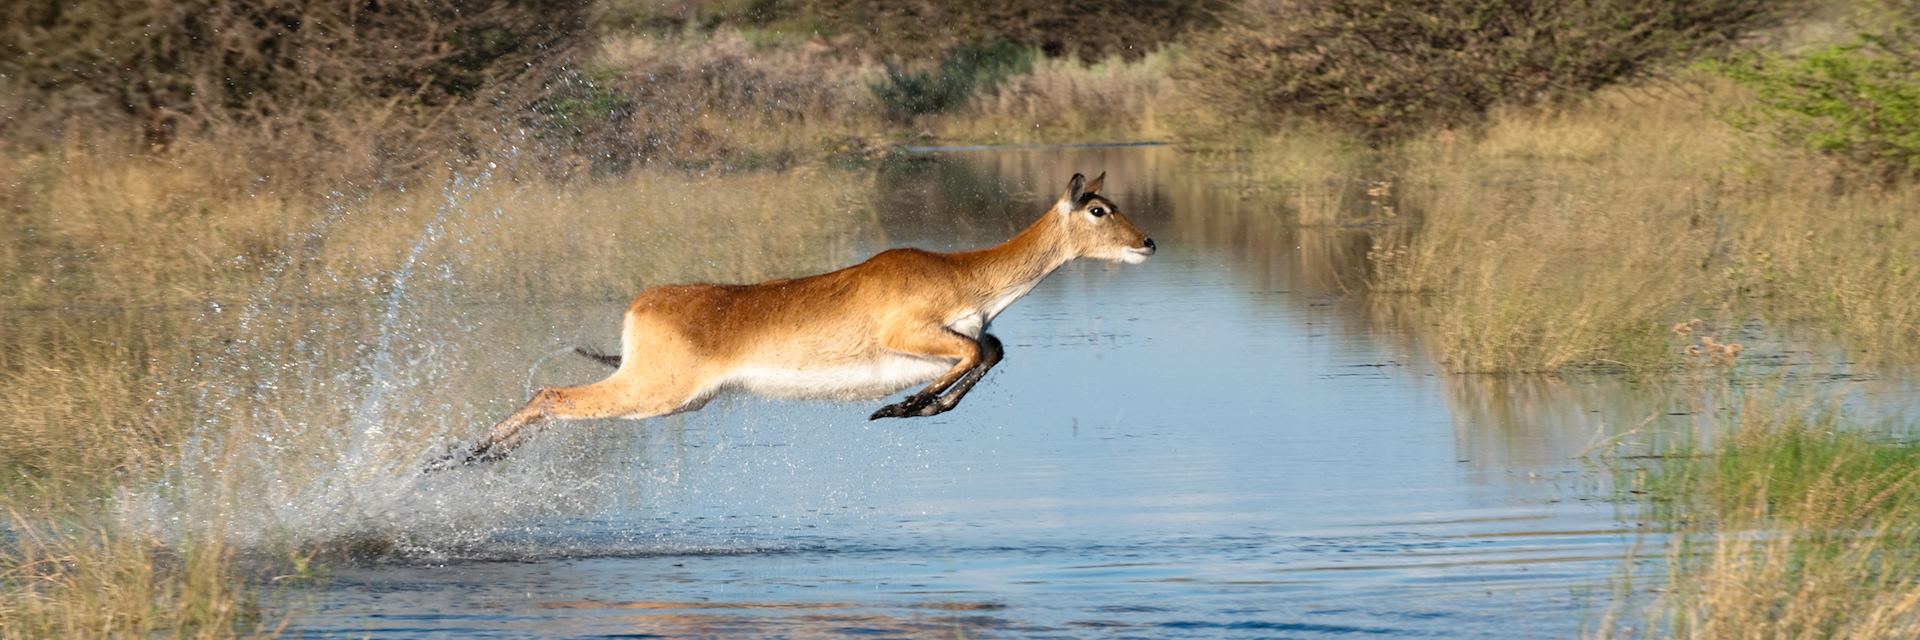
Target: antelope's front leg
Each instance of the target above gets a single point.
(991, 354)
(939, 343)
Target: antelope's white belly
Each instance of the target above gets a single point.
(876, 378)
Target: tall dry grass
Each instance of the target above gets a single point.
(1796, 524)
(730, 99)
(1065, 100)
(94, 581)
(1557, 238)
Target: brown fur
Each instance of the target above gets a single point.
(683, 343)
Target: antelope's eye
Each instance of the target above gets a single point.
(1097, 211)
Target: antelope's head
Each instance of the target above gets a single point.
(1094, 227)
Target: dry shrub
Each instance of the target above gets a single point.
(917, 29)
(171, 67)
(1387, 69)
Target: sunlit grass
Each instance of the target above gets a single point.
(89, 580)
(1578, 236)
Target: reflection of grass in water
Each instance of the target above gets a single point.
(1797, 524)
(1310, 176)
(245, 410)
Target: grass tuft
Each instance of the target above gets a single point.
(1798, 524)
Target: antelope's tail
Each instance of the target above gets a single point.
(606, 359)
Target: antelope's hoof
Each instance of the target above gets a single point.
(456, 458)
(908, 407)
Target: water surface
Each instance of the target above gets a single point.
(1217, 443)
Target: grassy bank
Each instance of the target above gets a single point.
(1588, 235)
(1795, 524)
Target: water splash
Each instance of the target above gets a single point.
(305, 436)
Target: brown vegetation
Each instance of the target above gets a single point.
(1090, 30)
(170, 68)
(1388, 69)
(1579, 236)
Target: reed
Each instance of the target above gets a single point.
(1798, 523)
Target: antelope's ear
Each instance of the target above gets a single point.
(1094, 186)
(1075, 188)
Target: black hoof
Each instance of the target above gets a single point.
(455, 459)
(908, 407)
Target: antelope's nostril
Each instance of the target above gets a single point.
(1149, 244)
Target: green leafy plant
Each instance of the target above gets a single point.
(960, 72)
(1858, 102)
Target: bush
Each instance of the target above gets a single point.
(165, 65)
(1090, 30)
(1388, 68)
(1857, 102)
(961, 71)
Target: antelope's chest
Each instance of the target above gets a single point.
(973, 322)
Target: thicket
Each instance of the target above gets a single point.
(961, 71)
(1858, 102)
(1388, 68)
(165, 68)
(1087, 29)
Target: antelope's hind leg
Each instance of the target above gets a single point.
(603, 400)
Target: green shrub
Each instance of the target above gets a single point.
(961, 71)
(1858, 102)
(1388, 68)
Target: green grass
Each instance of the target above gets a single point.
(1795, 522)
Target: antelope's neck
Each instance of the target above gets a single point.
(1019, 264)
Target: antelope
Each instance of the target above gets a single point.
(904, 317)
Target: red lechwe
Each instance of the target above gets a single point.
(903, 317)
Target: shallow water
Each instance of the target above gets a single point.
(1217, 443)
